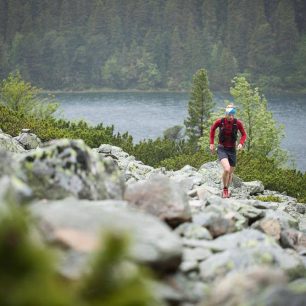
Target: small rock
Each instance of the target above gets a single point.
(193, 231)
(187, 266)
(270, 227)
(28, 140)
(161, 197)
(294, 239)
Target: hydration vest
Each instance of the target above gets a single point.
(222, 131)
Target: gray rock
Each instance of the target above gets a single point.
(251, 212)
(68, 167)
(8, 143)
(161, 197)
(192, 290)
(291, 238)
(166, 292)
(243, 288)
(204, 192)
(14, 191)
(300, 208)
(221, 216)
(285, 220)
(302, 225)
(211, 173)
(75, 226)
(246, 249)
(270, 227)
(28, 140)
(254, 187)
(196, 254)
(187, 266)
(188, 177)
(193, 231)
(132, 169)
(6, 163)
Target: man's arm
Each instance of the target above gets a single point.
(242, 131)
(213, 131)
(212, 135)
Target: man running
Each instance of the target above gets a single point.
(228, 128)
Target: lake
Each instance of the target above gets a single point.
(147, 115)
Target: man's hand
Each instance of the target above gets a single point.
(240, 147)
(212, 148)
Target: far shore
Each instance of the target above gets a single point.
(158, 90)
(112, 90)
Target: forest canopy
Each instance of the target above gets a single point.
(80, 44)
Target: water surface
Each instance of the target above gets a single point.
(147, 115)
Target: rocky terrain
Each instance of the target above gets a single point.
(205, 250)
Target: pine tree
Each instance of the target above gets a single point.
(264, 135)
(200, 106)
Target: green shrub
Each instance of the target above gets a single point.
(269, 198)
(195, 160)
(152, 152)
(250, 167)
(13, 122)
(21, 96)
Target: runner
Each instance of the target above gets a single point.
(228, 128)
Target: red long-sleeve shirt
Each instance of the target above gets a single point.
(228, 125)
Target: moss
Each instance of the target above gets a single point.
(269, 198)
(266, 258)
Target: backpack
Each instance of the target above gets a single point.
(222, 128)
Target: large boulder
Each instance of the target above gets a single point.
(75, 227)
(8, 143)
(69, 167)
(255, 286)
(161, 197)
(246, 249)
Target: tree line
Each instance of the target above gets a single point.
(81, 44)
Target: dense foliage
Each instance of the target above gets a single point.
(22, 97)
(81, 44)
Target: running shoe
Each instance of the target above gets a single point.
(225, 193)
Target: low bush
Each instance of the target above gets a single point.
(293, 182)
(195, 160)
(269, 198)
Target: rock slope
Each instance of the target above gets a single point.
(205, 250)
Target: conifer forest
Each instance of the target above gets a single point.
(153, 44)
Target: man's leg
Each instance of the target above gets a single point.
(226, 172)
(232, 169)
